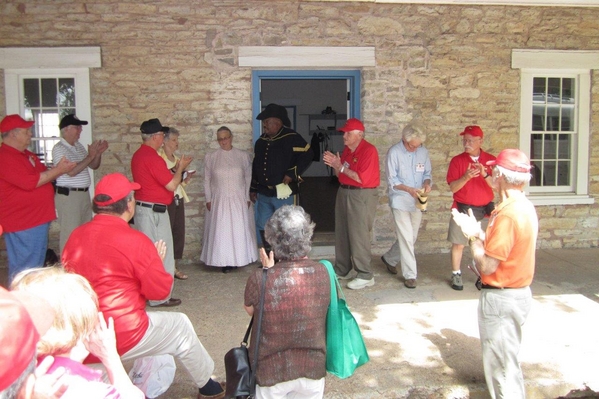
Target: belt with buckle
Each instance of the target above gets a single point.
(66, 190)
(84, 189)
(348, 187)
(159, 208)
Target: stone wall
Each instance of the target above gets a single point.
(444, 66)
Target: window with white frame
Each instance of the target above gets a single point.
(47, 100)
(44, 85)
(554, 123)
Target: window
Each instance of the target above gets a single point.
(554, 123)
(47, 101)
(553, 134)
(45, 84)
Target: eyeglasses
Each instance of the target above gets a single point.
(470, 141)
(223, 139)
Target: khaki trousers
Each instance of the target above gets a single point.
(172, 333)
(73, 210)
(354, 218)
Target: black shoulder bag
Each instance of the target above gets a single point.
(241, 378)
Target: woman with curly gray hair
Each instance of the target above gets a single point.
(292, 347)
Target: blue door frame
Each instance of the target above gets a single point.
(353, 76)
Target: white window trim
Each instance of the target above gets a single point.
(50, 57)
(547, 62)
(19, 63)
(306, 56)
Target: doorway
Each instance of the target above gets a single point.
(318, 103)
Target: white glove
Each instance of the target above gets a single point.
(283, 191)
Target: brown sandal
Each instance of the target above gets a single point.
(180, 275)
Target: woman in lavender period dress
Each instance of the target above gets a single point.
(229, 227)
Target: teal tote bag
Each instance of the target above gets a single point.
(345, 346)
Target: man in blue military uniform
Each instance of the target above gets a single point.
(281, 155)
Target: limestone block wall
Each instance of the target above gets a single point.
(443, 66)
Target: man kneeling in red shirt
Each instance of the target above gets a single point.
(125, 269)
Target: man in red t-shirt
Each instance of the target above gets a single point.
(358, 171)
(158, 184)
(469, 180)
(26, 196)
(125, 269)
(505, 257)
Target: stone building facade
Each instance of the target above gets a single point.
(445, 66)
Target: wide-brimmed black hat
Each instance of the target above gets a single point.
(275, 111)
(152, 126)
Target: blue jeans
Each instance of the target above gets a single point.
(26, 249)
(265, 207)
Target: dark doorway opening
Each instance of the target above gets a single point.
(318, 103)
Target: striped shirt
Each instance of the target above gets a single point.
(74, 153)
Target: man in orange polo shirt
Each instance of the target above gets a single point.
(355, 206)
(505, 257)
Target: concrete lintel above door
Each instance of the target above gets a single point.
(306, 56)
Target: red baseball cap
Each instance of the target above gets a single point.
(14, 121)
(352, 124)
(474, 131)
(23, 319)
(512, 159)
(116, 186)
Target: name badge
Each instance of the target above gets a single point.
(419, 168)
(346, 165)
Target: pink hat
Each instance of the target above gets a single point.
(352, 124)
(511, 159)
(14, 121)
(24, 318)
(474, 131)
(116, 186)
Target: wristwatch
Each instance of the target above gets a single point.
(471, 239)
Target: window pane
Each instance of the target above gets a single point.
(66, 111)
(538, 104)
(43, 149)
(536, 146)
(568, 104)
(563, 173)
(46, 123)
(49, 93)
(66, 97)
(568, 91)
(536, 173)
(550, 148)
(31, 91)
(554, 90)
(565, 141)
(549, 173)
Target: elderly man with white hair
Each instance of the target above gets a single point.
(73, 204)
(505, 258)
(355, 206)
(408, 173)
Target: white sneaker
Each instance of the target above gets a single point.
(359, 283)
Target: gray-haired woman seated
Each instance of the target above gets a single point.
(292, 347)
